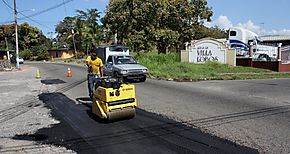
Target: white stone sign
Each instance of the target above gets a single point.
(207, 50)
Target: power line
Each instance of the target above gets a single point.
(9, 12)
(7, 4)
(65, 8)
(28, 16)
(33, 20)
(48, 9)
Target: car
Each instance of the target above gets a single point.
(125, 67)
(21, 61)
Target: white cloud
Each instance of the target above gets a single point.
(250, 25)
(225, 23)
(280, 32)
(222, 22)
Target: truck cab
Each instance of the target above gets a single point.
(240, 38)
(118, 63)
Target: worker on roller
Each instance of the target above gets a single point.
(95, 71)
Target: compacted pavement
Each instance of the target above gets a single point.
(172, 117)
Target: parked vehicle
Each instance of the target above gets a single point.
(240, 39)
(21, 61)
(118, 63)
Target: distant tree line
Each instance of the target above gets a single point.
(162, 25)
(32, 42)
(141, 25)
(84, 28)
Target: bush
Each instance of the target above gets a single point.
(26, 54)
(44, 55)
(40, 53)
(169, 66)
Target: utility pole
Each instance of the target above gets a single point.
(7, 50)
(116, 38)
(16, 35)
(73, 33)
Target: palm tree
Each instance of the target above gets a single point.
(91, 28)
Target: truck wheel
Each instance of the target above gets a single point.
(116, 75)
(143, 79)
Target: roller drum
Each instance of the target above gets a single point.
(125, 113)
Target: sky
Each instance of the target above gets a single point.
(264, 17)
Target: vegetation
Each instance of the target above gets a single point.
(29, 38)
(83, 27)
(164, 25)
(144, 26)
(167, 66)
(161, 24)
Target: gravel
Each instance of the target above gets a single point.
(22, 113)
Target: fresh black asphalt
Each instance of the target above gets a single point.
(83, 132)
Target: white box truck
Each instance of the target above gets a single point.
(119, 63)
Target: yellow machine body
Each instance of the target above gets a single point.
(113, 104)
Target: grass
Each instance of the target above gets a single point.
(168, 67)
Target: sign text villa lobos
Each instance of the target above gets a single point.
(207, 50)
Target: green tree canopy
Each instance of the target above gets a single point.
(28, 36)
(83, 27)
(159, 23)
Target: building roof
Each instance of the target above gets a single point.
(113, 45)
(274, 38)
(59, 49)
(4, 50)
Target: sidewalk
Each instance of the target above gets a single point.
(21, 112)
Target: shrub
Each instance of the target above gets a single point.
(26, 54)
(40, 52)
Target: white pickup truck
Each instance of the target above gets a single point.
(118, 63)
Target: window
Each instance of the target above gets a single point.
(110, 59)
(118, 48)
(125, 60)
(233, 33)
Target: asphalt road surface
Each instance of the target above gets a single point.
(248, 116)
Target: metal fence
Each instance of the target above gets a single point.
(285, 55)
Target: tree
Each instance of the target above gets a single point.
(64, 30)
(162, 23)
(7, 31)
(91, 28)
(87, 31)
(29, 37)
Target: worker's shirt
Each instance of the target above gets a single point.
(96, 65)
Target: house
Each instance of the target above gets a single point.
(64, 53)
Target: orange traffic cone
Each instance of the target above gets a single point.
(69, 73)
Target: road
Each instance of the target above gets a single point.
(173, 117)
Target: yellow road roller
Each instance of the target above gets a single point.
(114, 100)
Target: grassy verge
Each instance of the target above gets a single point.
(168, 67)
